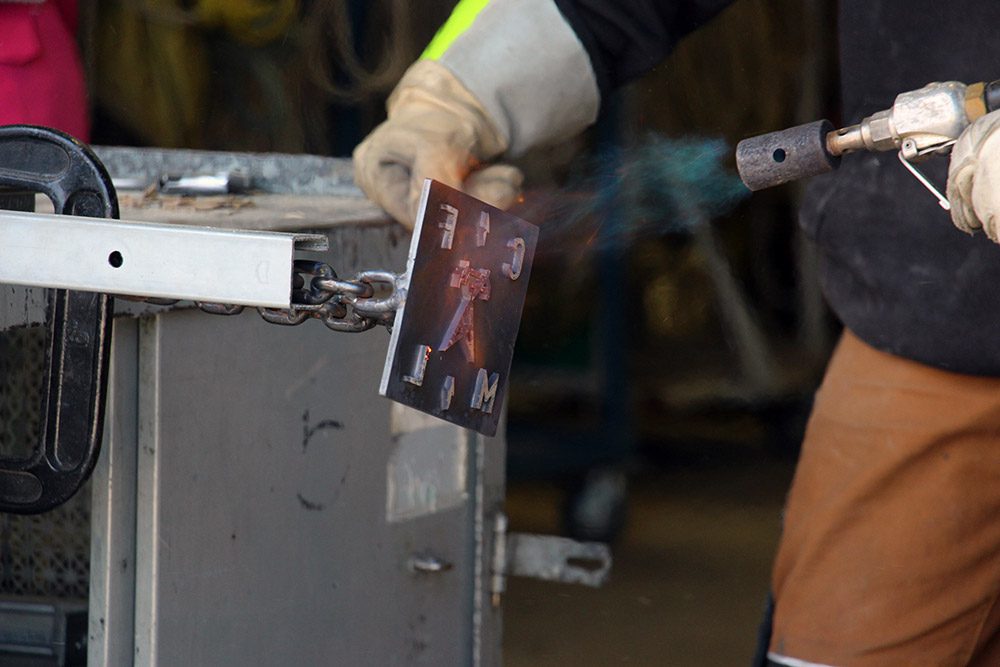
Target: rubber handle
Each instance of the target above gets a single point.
(42, 160)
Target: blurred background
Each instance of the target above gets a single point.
(662, 377)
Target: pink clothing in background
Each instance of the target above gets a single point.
(41, 77)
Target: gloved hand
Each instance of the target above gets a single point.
(974, 178)
(436, 129)
(501, 76)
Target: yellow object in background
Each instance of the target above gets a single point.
(254, 22)
(153, 72)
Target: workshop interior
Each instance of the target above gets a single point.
(557, 434)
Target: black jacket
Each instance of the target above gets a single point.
(895, 270)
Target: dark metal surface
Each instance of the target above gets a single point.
(992, 95)
(298, 459)
(41, 160)
(787, 155)
(44, 631)
(453, 340)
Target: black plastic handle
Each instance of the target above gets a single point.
(42, 160)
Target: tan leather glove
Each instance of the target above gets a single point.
(974, 178)
(435, 129)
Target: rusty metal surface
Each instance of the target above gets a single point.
(453, 341)
(275, 173)
(289, 192)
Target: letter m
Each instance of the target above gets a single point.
(485, 392)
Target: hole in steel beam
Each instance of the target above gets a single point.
(779, 155)
(115, 259)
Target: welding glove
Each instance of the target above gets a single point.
(436, 129)
(500, 77)
(974, 178)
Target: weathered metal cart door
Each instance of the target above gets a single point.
(279, 518)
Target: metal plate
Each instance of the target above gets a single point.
(453, 341)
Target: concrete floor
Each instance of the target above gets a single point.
(689, 579)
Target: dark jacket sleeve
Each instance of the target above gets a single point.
(627, 38)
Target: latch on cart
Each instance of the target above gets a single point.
(545, 557)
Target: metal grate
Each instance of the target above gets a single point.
(22, 364)
(47, 554)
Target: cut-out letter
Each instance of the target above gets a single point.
(475, 285)
(483, 229)
(447, 392)
(450, 221)
(485, 392)
(513, 269)
(416, 376)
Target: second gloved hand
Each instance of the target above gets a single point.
(435, 129)
(974, 178)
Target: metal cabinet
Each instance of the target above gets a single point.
(258, 504)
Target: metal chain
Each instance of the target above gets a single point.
(370, 299)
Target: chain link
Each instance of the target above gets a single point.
(368, 300)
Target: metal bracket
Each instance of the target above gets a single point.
(545, 557)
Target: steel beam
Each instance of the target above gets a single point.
(155, 260)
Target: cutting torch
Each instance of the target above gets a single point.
(920, 123)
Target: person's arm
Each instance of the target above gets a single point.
(626, 39)
(503, 76)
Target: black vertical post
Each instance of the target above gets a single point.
(613, 302)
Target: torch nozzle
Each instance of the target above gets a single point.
(846, 140)
(788, 155)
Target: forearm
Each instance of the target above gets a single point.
(626, 38)
(541, 67)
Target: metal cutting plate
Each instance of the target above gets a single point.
(453, 340)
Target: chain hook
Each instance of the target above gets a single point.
(385, 307)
